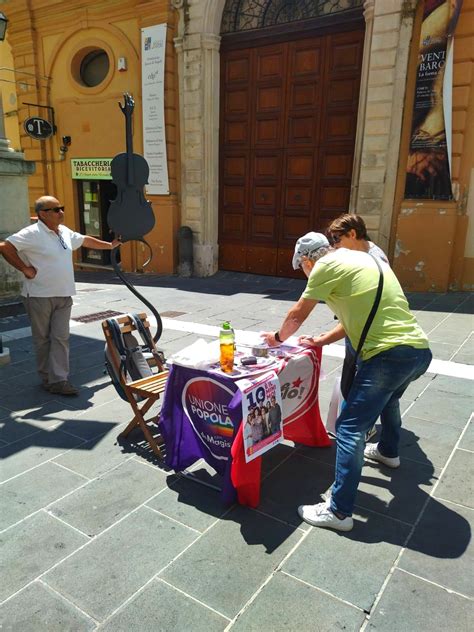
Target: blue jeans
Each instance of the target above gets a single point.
(378, 385)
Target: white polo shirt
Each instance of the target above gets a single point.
(40, 247)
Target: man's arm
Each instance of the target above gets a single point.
(10, 254)
(323, 339)
(293, 321)
(99, 244)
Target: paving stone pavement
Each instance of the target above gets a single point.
(98, 535)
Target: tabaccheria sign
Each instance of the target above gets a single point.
(91, 168)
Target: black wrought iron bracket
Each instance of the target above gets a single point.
(46, 107)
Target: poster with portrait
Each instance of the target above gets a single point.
(428, 174)
(261, 414)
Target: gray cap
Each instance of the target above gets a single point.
(307, 246)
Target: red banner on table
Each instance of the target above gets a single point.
(299, 382)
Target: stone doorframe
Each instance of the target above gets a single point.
(376, 154)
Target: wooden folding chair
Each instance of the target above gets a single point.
(147, 388)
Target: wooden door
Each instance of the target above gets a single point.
(288, 120)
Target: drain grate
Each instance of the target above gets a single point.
(90, 318)
(275, 291)
(172, 314)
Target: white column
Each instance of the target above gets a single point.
(369, 6)
(207, 252)
(198, 67)
(388, 214)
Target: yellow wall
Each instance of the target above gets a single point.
(46, 37)
(462, 272)
(426, 232)
(8, 91)
(434, 240)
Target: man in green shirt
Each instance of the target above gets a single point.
(395, 353)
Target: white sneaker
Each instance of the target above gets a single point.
(321, 515)
(372, 452)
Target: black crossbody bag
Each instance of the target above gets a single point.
(349, 367)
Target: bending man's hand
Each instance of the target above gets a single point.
(323, 339)
(313, 341)
(293, 320)
(269, 338)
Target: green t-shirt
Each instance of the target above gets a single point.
(347, 281)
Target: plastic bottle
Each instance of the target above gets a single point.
(227, 340)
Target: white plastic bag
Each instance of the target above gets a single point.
(199, 355)
(334, 407)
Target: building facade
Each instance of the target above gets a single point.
(74, 61)
(278, 117)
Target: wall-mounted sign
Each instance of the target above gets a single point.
(91, 168)
(153, 106)
(38, 128)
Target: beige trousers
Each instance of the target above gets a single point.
(49, 319)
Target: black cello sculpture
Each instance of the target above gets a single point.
(130, 215)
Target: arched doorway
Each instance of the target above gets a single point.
(290, 75)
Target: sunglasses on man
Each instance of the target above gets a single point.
(56, 209)
(335, 238)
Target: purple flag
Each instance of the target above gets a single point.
(198, 420)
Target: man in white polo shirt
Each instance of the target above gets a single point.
(43, 253)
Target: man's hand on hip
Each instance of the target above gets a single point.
(29, 272)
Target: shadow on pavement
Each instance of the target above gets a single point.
(231, 283)
(60, 437)
(31, 417)
(221, 283)
(446, 533)
(397, 509)
(458, 302)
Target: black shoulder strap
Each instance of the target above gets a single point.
(143, 331)
(116, 334)
(373, 311)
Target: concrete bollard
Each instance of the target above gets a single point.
(4, 354)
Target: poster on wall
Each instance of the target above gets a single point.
(261, 414)
(428, 174)
(153, 106)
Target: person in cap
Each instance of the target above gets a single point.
(395, 353)
(42, 252)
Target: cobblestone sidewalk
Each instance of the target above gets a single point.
(97, 535)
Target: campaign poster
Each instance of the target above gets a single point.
(153, 107)
(428, 174)
(261, 414)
